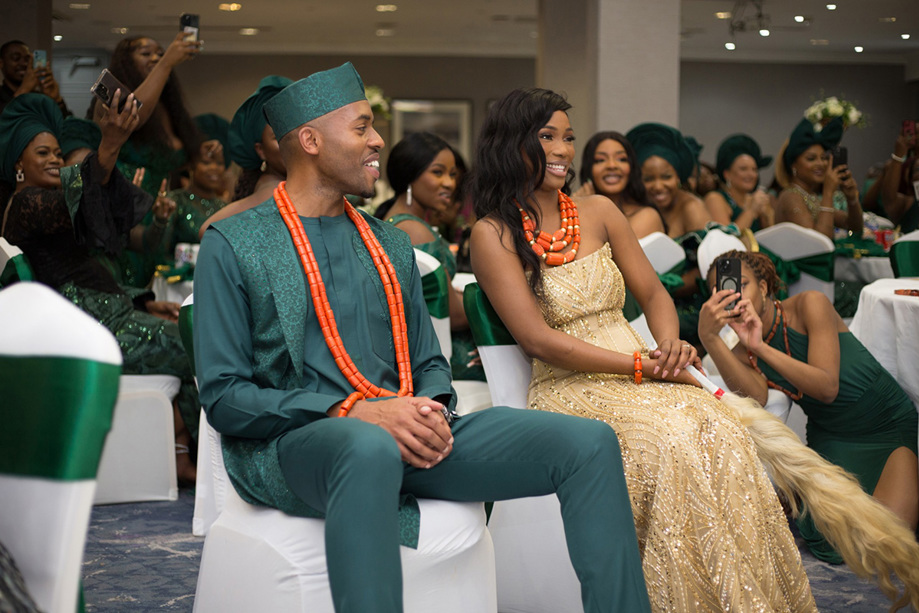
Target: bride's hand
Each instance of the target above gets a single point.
(673, 355)
(748, 326)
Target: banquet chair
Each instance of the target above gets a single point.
(257, 558)
(471, 396)
(810, 251)
(59, 374)
(663, 252)
(13, 264)
(904, 255)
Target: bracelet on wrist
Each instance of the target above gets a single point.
(348, 404)
(897, 158)
(637, 374)
(827, 209)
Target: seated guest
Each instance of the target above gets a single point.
(740, 201)
(811, 180)
(707, 181)
(291, 385)
(21, 76)
(858, 417)
(215, 131)
(59, 216)
(899, 194)
(252, 145)
(609, 168)
(422, 171)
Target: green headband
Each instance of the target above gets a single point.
(79, 134)
(312, 97)
(249, 122)
(735, 146)
(650, 139)
(24, 118)
(805, 136)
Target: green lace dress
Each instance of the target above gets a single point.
(870, 418)
(183, 226)
(463, 345)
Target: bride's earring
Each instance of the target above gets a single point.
(408, 196)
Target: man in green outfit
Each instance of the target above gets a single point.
(271, 385)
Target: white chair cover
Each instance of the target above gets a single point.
(791, 242)
(714, 244)
(662, 251)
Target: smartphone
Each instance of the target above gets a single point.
(39, 58)
(909, 130)
(104, 89)
(188, 23)
(840, 156)
(727, 276)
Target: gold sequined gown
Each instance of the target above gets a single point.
(712, 533)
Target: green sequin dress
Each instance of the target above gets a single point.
(463, 345)
(183, 226)
(870, 418)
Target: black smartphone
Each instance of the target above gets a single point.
(188, 23)
(40, 58)
(840, 156)
(727, 276)
(104, 89)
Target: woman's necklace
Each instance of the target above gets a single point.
(547, 246)
(811, 201)
(777, 314)
(365, 389)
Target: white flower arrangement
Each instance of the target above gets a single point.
(824, 110)
(379, 103)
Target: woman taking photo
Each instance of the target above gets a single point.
(739, 201)
(609, 168)
(712, 532)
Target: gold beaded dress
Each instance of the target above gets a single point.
(712, 533)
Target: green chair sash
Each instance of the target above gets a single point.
(185, 331)
(819, 266)
(16, 269)
(851, 247)
(904, 259)
(56, 414)
(487, 328)
(436, 291)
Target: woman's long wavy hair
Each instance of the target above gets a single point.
(171, 99)
(635, 188)
(510, 165)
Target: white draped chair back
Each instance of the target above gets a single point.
(791, 242)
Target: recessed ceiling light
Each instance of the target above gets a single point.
(723, 15)
(831, 7)
(58, 38)
(799, 18)
(387, 8)
(730, 46)
(764, 32)
(887, 19)
(119, 30)
(385, 32)
(231, 7)
(859, 49)
(248, 31)
(79, 6)
(818, 42)
(904, 36)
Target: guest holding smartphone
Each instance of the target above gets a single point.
(899, 195)
(23, 73)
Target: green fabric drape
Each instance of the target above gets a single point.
(16, 269)
(436, 293)
(819, 265)
(850, 246)
(487, 328)
(57, 412)
(186, 314)
(904, 259)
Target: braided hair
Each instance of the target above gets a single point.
(762, 267)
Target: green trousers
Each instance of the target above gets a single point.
(353, 473)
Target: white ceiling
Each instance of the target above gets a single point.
(500, 28)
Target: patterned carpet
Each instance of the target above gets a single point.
(143, 557)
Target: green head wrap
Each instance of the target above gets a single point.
(79, 134)
(651, 139)
(249, 122)
(215, 127)
(735, 146)
(695, 147)
(805, 136)
(314, 96)
(24, 118)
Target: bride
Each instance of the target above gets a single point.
(710, 526)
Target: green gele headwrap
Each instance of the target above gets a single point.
(79, 134)
(249, 122)
(805, 136)
(735, 146)
(695, 147)
(24, 118)
(314, 96)
(214, 127)
(650, 139)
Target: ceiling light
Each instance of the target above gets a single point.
(799, 18)
(248, 31)
(859, 49)
(58, 38)
(764, 32)
(79, 6)
(730, 46)
(723, 15)
(119, 30)
(831, 7)
(819, 42)
(231, 7)
(887, 19)
(904, 36)
(385, 32)
(387, 8)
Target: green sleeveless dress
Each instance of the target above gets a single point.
(870, 418)
(463, 344)
(736, 210)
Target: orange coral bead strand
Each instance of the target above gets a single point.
(547, 246)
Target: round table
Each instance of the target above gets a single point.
(863, 270)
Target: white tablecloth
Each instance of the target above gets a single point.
(864, 270)
(888, 325)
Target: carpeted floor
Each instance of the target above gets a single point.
(143, 557)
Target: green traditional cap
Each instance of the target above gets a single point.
(24, 118)
(215, 127)
(805, 136)
(79, 134)
(735, 146)
(249, 122)
(651, 139)
(314, 96)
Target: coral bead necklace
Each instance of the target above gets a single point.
(777, 315)
(391, 286)
(548, 246)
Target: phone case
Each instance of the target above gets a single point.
(727, 276)
(40, 58)
(105, 86)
